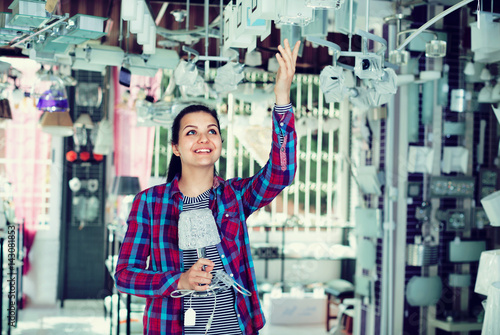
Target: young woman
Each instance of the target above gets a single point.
(180, 295)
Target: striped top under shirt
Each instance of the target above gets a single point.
(225, 321)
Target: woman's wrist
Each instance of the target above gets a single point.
(282, 100)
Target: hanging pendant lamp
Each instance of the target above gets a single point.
(50, 93)
(57, 124)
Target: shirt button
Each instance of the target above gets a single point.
(282, 124)
(227, 215)
(283, 149)
(222, 256)
(238, 315)
(231, 275)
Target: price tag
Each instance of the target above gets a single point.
(190, 317)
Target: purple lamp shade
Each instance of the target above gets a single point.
(50, 92)
(53, 101)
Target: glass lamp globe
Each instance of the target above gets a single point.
(50, 93)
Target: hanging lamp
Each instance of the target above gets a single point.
(57, 124)
(50, 93)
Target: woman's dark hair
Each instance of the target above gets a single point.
(175, 165)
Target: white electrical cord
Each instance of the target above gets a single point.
(220, 276)
(432, 21)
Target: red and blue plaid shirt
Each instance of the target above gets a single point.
(152, 232)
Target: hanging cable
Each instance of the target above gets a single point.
(432, 21)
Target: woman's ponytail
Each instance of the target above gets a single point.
(174, 167)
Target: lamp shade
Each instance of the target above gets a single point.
(84, 120)
(485, 74)
(197, 229)
(104, 140)
(491, 205)
(488, 271)
(5, 111)
(469, 69)
(57, 124)
(50, 93)
(332, 83)
(435, 49)
(485, 95)
(491, 326)
(126, 185)
(495, 93)
(432, 286)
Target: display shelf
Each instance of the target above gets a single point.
(305, 258)
(455, 326)
(257, 228)
(282, 257)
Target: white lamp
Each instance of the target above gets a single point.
(495, 93)
(488, 283)
(228, 77)
(143, 37)
(137, 24)
(420, 159)
(491, 326)
(149, 48)
(485, 74)
(488, 271)
(104, 140)
(491, 205)
(485, 95)
(128, 9)
(84, 120)
(469, 69)
(332, 83)
(455, 159)
(497, 112)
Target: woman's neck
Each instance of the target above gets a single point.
(194, 183)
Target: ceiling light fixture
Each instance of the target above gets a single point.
(128, 9)
(228, 77)
(294, 12)
(435, 49)
(335, 4)
(399, 57)
(332, 83)
(28, 13)
(185, 73)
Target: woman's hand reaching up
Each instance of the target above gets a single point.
(287, 60)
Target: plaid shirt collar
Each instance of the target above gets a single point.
(175, 184)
